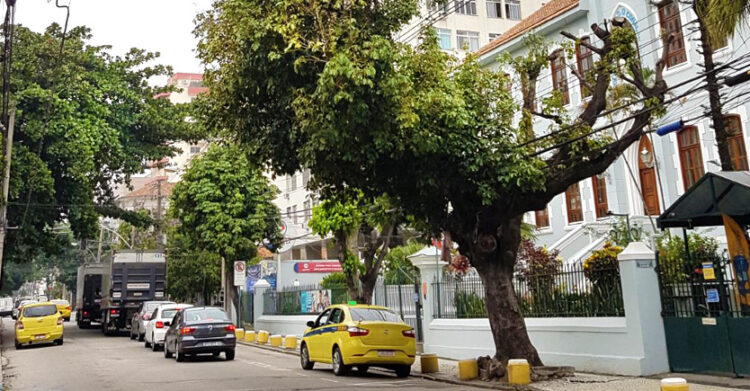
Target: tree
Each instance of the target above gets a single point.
(323, 85)
(351, 219)
(710, 40)
(86, 121)
(223, 209)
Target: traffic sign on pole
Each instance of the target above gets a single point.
(239, 273)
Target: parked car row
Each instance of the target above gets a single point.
(182, 330)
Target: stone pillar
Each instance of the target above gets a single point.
(259, 289)
(642, 301)
(428, 270)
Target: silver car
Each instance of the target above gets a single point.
(140, 318)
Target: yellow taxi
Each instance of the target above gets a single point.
(63, 306)
(39, 323)
(359, 336)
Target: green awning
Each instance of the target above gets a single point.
(703, 204)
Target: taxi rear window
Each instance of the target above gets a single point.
(39, 311)
(372, 314)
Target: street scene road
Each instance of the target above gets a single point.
(89, 360)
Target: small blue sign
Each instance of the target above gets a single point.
(416, 297)
(712, 296)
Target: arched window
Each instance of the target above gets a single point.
(647, 175)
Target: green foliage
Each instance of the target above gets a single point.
(602, 267)
(223, 208)
(537, 267)
(333, 280)
(82, 127)
(622, 233)
(469, 305)
(674, 264)
(397, 268)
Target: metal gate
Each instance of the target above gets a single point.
(706, 314)
(405, 300)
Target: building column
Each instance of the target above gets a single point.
(429, 268)
(642, 302)
(259, 289)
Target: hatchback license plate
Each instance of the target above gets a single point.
(386, 353)
(40, 336)
(219, 343)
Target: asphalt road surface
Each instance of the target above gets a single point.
(88, 360)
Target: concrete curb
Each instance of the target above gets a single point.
(432, 377)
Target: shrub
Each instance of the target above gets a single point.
(333, 280)
(537, 267)
(601, 267)
(674, 264)
(469, 305)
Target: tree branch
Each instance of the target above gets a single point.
(581, 78)
(591, 47)
(552, 117)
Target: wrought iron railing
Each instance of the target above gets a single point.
(567, 292)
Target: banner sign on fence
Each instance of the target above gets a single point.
(313, 302)
(317, 267)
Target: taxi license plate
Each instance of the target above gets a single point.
(212, 344)
(40, 336)
(386, 353)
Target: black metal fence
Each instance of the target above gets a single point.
(702, 286)
(303, 300)
(566, 292)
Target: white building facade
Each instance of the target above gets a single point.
(654, 172)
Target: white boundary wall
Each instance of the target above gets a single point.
(633, 345)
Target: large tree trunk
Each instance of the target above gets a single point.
(494, 257)
(714, 96)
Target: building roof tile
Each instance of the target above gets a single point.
(548, 12)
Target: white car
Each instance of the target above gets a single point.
(160, 320)
(140, 318)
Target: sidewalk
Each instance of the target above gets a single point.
(580, 382)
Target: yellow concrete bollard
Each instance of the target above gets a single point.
(262, 337)
(429, 363)
(290, 342)
(468, 369)
(239, 333)
(250, 336)
(519, 372)
(674, 384)
(275, 341)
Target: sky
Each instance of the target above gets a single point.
(164, 26)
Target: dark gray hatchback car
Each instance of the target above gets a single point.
(199, 330)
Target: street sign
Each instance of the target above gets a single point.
(712, 296)
(239, 273)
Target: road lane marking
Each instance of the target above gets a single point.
(329, 380)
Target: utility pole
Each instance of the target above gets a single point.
(6, 185)
(158, 229)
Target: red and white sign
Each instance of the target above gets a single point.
(317, 267)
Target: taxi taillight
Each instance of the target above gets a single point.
(68, 308)
(59, 321)
(357, 332)
(19, 325)
(409, 333)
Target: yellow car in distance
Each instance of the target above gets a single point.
(359, 336)
(39, 323)
(63, 306)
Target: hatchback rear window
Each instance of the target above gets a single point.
(198, 315)
(373, 314)
(39, 311)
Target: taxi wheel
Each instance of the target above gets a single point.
(304, 358)
(403, 370)
(59, 341)
(18, 345)
(339, 369)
